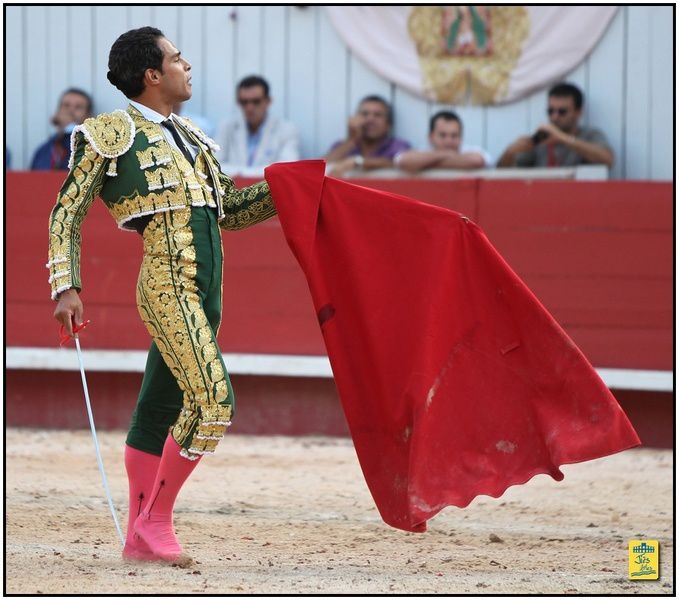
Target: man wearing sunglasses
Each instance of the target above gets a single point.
(255, 139)
(562, 142)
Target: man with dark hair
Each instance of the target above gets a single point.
(447, 150)
(75, 106)
(255, 138)
(369, 143)
(157, 174)
(562, 142)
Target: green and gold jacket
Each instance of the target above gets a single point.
(126, 160)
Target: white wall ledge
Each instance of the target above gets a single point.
(286, 365)
(579, 173)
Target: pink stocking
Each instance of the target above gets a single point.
(141, 470)
(154, 524)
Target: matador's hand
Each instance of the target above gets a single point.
(69, 306)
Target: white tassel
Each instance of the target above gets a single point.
(113, 168)
(56, 261)
(194, 454)
(214, 146)
(57, 275)
(60, 289)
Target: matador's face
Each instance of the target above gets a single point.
(176, 76)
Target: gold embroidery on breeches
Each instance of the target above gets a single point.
(169, 305)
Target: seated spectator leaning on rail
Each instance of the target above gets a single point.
(255, 139)
(562, 142)
(369, 143)
(74, 107)
(447, 150)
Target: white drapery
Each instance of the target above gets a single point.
(478, 54)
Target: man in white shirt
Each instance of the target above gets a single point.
(448, 151)
(255, 139)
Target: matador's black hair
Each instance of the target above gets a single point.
(131, 54)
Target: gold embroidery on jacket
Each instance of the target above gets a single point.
(151, 130)
(255, 213)
(111, 134)
(162, 177)
(247, 206)
(169, 304)
(137, 205)
(152, 156)
(72, 204)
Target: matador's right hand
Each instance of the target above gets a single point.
(69, 309)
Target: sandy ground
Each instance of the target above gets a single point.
(293, 515)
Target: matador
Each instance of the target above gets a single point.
(157, 174)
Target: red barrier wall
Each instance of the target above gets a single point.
(597, 254)
(265, 405)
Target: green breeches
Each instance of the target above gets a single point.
(186, 388)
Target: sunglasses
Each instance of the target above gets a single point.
(253, 101)
(560, 111)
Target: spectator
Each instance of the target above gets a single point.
(562, 142)
(74, 107)
(369, 143)
(448, 151)
(255, 139)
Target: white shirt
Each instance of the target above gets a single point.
(279, 142)
(487, 158)
(155, 117)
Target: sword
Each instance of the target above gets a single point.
(65, 337)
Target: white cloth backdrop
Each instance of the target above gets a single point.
(532, 47)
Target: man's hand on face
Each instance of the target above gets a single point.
(355, 127)
(73, 108)
(69, 306)
(62, 118)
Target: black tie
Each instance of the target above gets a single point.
(178, 139)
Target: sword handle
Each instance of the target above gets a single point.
(64, 337)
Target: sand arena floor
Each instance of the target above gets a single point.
(293, 515)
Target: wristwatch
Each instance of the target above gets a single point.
(359, 161)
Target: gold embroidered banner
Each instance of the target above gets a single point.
(471, 53)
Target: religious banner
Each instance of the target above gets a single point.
(471, 53)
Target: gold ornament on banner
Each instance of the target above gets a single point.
(467, 53)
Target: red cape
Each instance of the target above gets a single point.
(454, 379)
